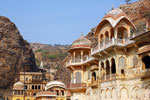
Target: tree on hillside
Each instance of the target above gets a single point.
(127, 1)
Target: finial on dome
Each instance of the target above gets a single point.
(108, 10)
(112, 7)
(81, 34)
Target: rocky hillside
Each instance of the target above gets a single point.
(138, 12)
(50, 55)
(15, 53)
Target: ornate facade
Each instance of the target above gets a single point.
(117, 68)
(29, 84)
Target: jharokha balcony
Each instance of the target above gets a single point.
(108, 43)
(76, 87)
(79, 61)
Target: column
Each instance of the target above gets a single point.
(105, 70)
(99, 70)
(110, 68)
(82, 56)
(74, 55)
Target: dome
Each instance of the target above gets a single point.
(113, 18)
(18, 86)
(54, 84)
(115, 14)
(81, 43)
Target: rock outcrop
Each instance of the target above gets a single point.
(15, 53)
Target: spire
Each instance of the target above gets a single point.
(112, 7)
(41, 65)
(81, 34)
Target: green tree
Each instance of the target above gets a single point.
(127, 1)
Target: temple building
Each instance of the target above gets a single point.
(33, 86)
(28, 85)
(117, 68)
(54, 90)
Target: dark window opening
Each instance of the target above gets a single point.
(35, 86)
(94, 76)
(62, 92)
(26, 87)
(113, 69)
(122, 71)
(57, 92)
(32, 86)
(146, 61)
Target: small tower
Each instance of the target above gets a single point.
(79, 52)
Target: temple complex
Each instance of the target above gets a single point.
(117, 68)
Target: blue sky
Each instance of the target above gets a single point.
(55, 21)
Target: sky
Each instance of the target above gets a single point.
(56, 21)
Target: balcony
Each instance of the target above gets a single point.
(79, 61)
(110, 77)
(113, 42)
(74, 62)
(77, 87)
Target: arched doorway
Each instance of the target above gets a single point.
(146, 61)
(113, 67)
(78, 77)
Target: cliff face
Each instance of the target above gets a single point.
(139, 14)
(15, 53)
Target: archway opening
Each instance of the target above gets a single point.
(146, 61)
(107, 68)
(106, 36)
(113, 69)
(122, 32)
(101, 39)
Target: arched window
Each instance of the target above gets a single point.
(35, 86)
(62, 93)
(93, 76)
(113, 66)
(102, 70)
(39, 87)
(101, 38)
(106, 36)
(122, 65)
(146, 61)
(107, 68)
(78, 77)
(122, 33)
(32, 86)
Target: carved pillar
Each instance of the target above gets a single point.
(99, 69)
(82, 56)
(110, 68)
(105, 70)
(74, 55)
